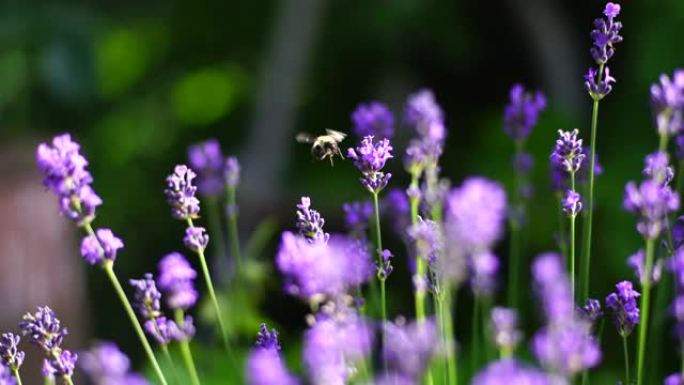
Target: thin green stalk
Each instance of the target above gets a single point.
(185, 350)
(586, 238)
(572, 242)
(486, 310)
(212, 293)
(439, 310)
(215, 228)
(109, 269)
(378, 243)
(15, 373)
(68, 380)
(644, 309)
(474, 362)
(169, 361)
(662, 144)
(624, 346)
(48, 381)
(233, 235)
(514, 265)
(448, 324)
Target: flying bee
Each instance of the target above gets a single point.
(324, 146)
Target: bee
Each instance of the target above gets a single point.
(324, 146)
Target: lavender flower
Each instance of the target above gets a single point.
(423, 113)
(606, 34)
(657, 167)
(565, 344)
(427, 238)
(409, 348)
(373, 118)
(44, 329)
(395, 205)
(65, 174)
(509, 371)
(264, 367)
(652, 202)
(572, 203)
(176, 279)
(206, 158)
(315, 269)
(100, 247)
(232, 172)
(523, 162)
(332, 347)
(667, 103)
(624, 306)
(596, 86)
(196, 239)
(591, 311)
(370, 158)
(522, 113)
(483, 267)
(636, 262)
(267, 339)
(10, 355)
(164, 330)
(180, 193)
(147, 296)
(674, 379)
(475, 214)
(310, 222)
(422, 154)
(105, 364)
(386, 268)
(61, 364)
(504, 324)
(357, 216)
(568, 151)
(6, 376)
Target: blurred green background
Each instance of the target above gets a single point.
(137, 82)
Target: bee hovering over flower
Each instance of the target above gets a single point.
(324, 146)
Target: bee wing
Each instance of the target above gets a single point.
(338, 136)
(303, 137)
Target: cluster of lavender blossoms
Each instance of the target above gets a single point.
(450, 234)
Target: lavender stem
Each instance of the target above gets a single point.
(15, 373)
(586, 238)
(562, 245)
(624, 346)
(378, 244)
(109, 269)
(644, 306)
(572, 242)
(214, 221)
(185, 350)
(212, 293)
(169, 361)
(233, 235)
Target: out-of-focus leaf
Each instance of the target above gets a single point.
(206, 95)
(262, 234)
(125, 54)
(13, 76)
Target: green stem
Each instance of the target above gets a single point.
(378, 244)
(514, 265)
(233, 235)
(486, 310)
(68, 380)
(586, 238)
(572, 242)
(562, 244)
(15, 373)
(169, 361)
(47, 380)
(108, 267)
(644, 308)
(662, 144)
(474, 362)
(624, 346)
(446, 320)
(212, 293)
(185, 350)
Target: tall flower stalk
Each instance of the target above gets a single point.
(652, 201)
(520, 117)
(10, 355)
(180, 193)
(369, 158)
(625, 315)
(567, 155)
(65, 174)
(605, 36)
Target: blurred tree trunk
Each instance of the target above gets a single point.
(39, 262)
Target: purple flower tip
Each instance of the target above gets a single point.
(180, 193)
(624, 306)
(370, 158)
(522, 113)
(196, 239)
(232, 172)
(146, 296)
(176, 279)
(10, 355)
(267, 339)
(373, 118)
(612, 10)
(103, 246)
(206, 158)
